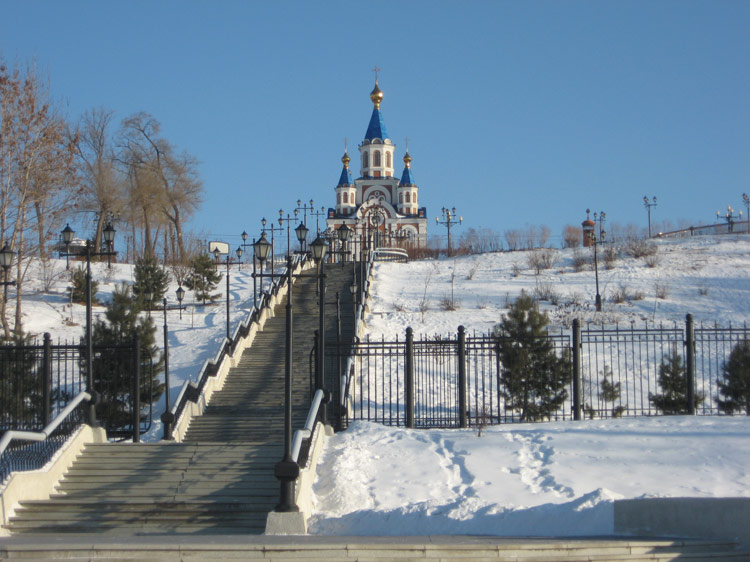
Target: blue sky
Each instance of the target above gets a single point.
(517, 113)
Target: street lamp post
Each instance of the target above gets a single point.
(317, 215)
(6, 260)
(238, 253)
(109, 237)
(180, 295)
(345, 234)
(305, 208)
(288, 221)
(227, 261)
(319, 248)
(67, 236)
(244, 245)
(287, 470)
(273, 229)
(729, 216)
(648, 203)
(301, 232)
(167, 417)
(601, 218)
(449, 220)
(595, 242)
(261, 250)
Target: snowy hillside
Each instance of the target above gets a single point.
(708, 277)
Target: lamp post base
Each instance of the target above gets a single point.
(287, 471)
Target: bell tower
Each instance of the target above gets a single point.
(376, 150)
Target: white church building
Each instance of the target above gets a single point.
(379, 205)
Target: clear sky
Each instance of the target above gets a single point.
(517, 113)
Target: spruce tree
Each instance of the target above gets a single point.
(150, 277)
(113, 370)
(673, 381)
(533, 378)
(78, 287)
(203, 278)
(735, 387)
(610, 391)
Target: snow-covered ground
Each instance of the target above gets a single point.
(551, 479)
(535, 479)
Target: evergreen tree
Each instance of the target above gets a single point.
(735, 388)
(150, 277)
(113, 370)
(673, 381)
(20, 385)
(533, 377)
(611, 391)
(203, 278)
(78, 287)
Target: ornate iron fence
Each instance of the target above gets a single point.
(38, 381)
(458, 381)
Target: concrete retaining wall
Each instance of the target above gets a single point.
(704, 518)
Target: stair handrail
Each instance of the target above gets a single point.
(306, 432)
(42, 435)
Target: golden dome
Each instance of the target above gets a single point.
(376, 96)
(407, 159)
(345, 159)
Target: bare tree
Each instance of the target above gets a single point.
(572, 236)
(102, 187)
(164, 186)
(512, 238)
(37, 172)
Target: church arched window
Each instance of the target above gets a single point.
(376, 158)
(346, 198)
(408, 200)
(338, 198)
(401, 197)
(388, 159)
(365, 162)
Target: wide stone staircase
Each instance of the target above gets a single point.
(220, 480)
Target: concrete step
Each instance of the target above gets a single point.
(212, 547)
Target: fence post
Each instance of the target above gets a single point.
(690, 363)
(46, 379)
(462, 376)
(409, 377)
(136, 399)
(576, 369)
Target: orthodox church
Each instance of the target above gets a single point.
(378, 204)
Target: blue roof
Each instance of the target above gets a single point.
(376, 128)
(346, 177)
(406, 178)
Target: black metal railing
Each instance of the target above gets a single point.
(457, 381)
(38, 381)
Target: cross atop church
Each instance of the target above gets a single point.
(376, 70)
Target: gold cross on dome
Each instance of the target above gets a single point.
(376, 70)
